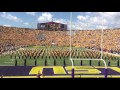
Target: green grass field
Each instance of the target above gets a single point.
(6, 60)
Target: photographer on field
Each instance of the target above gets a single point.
(39, 74)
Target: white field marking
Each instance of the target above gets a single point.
(12, 59)
(8, 62)
(7, 65)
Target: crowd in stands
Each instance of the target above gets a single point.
(12, 37)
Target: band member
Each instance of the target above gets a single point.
(99, 63)
(24, 62)
(15, 62)
(45, 62)
(64, 62)
(109, 63)
(118, 63)
(54, 62)
(90, 62)
(81, 63)
(35, 62)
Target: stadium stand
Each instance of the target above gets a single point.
(12, 38)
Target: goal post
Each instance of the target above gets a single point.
(101, 44)
(75, 59)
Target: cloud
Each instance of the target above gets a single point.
(26, 23)
(88, 21)
(45, 17)
(112, 18)
(31, 13)
(10, 17)
(60, 20)
(7, 25)
(97, 20)
(82, 18)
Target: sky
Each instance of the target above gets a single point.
(80, 20)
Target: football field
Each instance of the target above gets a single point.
(54, 62)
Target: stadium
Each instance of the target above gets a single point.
(53, 53)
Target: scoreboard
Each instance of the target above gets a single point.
(51, 26)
